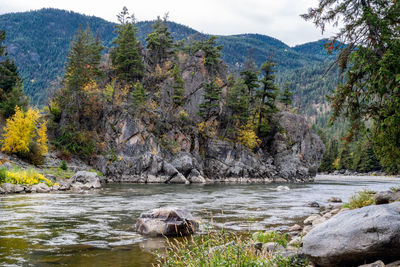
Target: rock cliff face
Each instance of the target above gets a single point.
(293, 155)
(162, 147)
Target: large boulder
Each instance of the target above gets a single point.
(354, 237)
(86, 180)
(167, 221)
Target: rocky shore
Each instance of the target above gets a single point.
(337, 236)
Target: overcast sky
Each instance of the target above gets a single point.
(276, 18)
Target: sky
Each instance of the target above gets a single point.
(276, 18)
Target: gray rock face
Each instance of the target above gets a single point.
(85, 180)
(167, 222)
(354, 237)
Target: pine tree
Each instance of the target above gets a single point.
(159, 43)
(238, 101)
(370, 60)
(138, 96)
(250, 78)
(267, 97)
(210, 105)
(125, 57)
(83, 60)
(286, 95)
(178, 86)
(11, 91)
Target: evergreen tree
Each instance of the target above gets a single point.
(250, 78)
(370, 59)
(11, 92)
(286, 95)
(83, 60)
(138, 96)
(126, 57)
(178, 86)
(239, 102)
(267, 97)
(159, 43)
(210, 105)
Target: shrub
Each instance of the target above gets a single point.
(25, 136)
(271, 236)
(361, 199)
(248, 137)
(63, 165)
(23, 177)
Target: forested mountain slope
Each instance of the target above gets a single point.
(38, 41)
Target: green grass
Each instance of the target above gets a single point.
(361, 199)
(271, 236)
(58, 172)
(221, 248)
(395, 189)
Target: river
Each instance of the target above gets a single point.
(97, 228)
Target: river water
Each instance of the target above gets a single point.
(97, 228)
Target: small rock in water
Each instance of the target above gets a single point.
(282, 188)
(167, 222)
(313, 204)
(295, 227)
(335, 200)
(374, 264)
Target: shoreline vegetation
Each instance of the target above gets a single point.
(219, 247)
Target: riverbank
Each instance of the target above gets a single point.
(340, 177)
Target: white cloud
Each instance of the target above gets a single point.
(277, 18)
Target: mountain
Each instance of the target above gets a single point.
(39, 42)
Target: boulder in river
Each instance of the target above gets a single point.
(354, 237)
(85, 180)
(167, 221)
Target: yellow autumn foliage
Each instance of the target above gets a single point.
(248, 137)
(25, 177)
(22, 131)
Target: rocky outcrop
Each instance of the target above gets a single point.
(355, 237)
(167, 222)
(294, 155)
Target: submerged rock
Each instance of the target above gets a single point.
(357, 236)
(167, 222)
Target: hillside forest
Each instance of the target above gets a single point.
(110, 66)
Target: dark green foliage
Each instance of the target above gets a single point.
(83, 60)
(138, 96)
(12, 99)
(266, 97)
(126, 58)
(330, 155)
(75, 142)
(63, 165)
(3, 175)
(370, 61)
(11, 93)
(286, 95)
(178, 86)
(210, 106)
(160, 42)
(239, 102)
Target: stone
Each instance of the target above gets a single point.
(7, 165)
(307, 229)
(2, 191)
(374, 264)
(18, 189)
(40, 188)
(168, 221)
(85, 180)
(385, 197)
(179, 179)
(295, 227)
(272, 247)
(335, 200)
(318, 221)
(357, 236)
(393, 264)
(313, 204)
(282, 188)
(310, 219)
(297, 241)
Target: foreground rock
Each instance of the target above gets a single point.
(354, 237)
(167, 222)
(85, 180)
